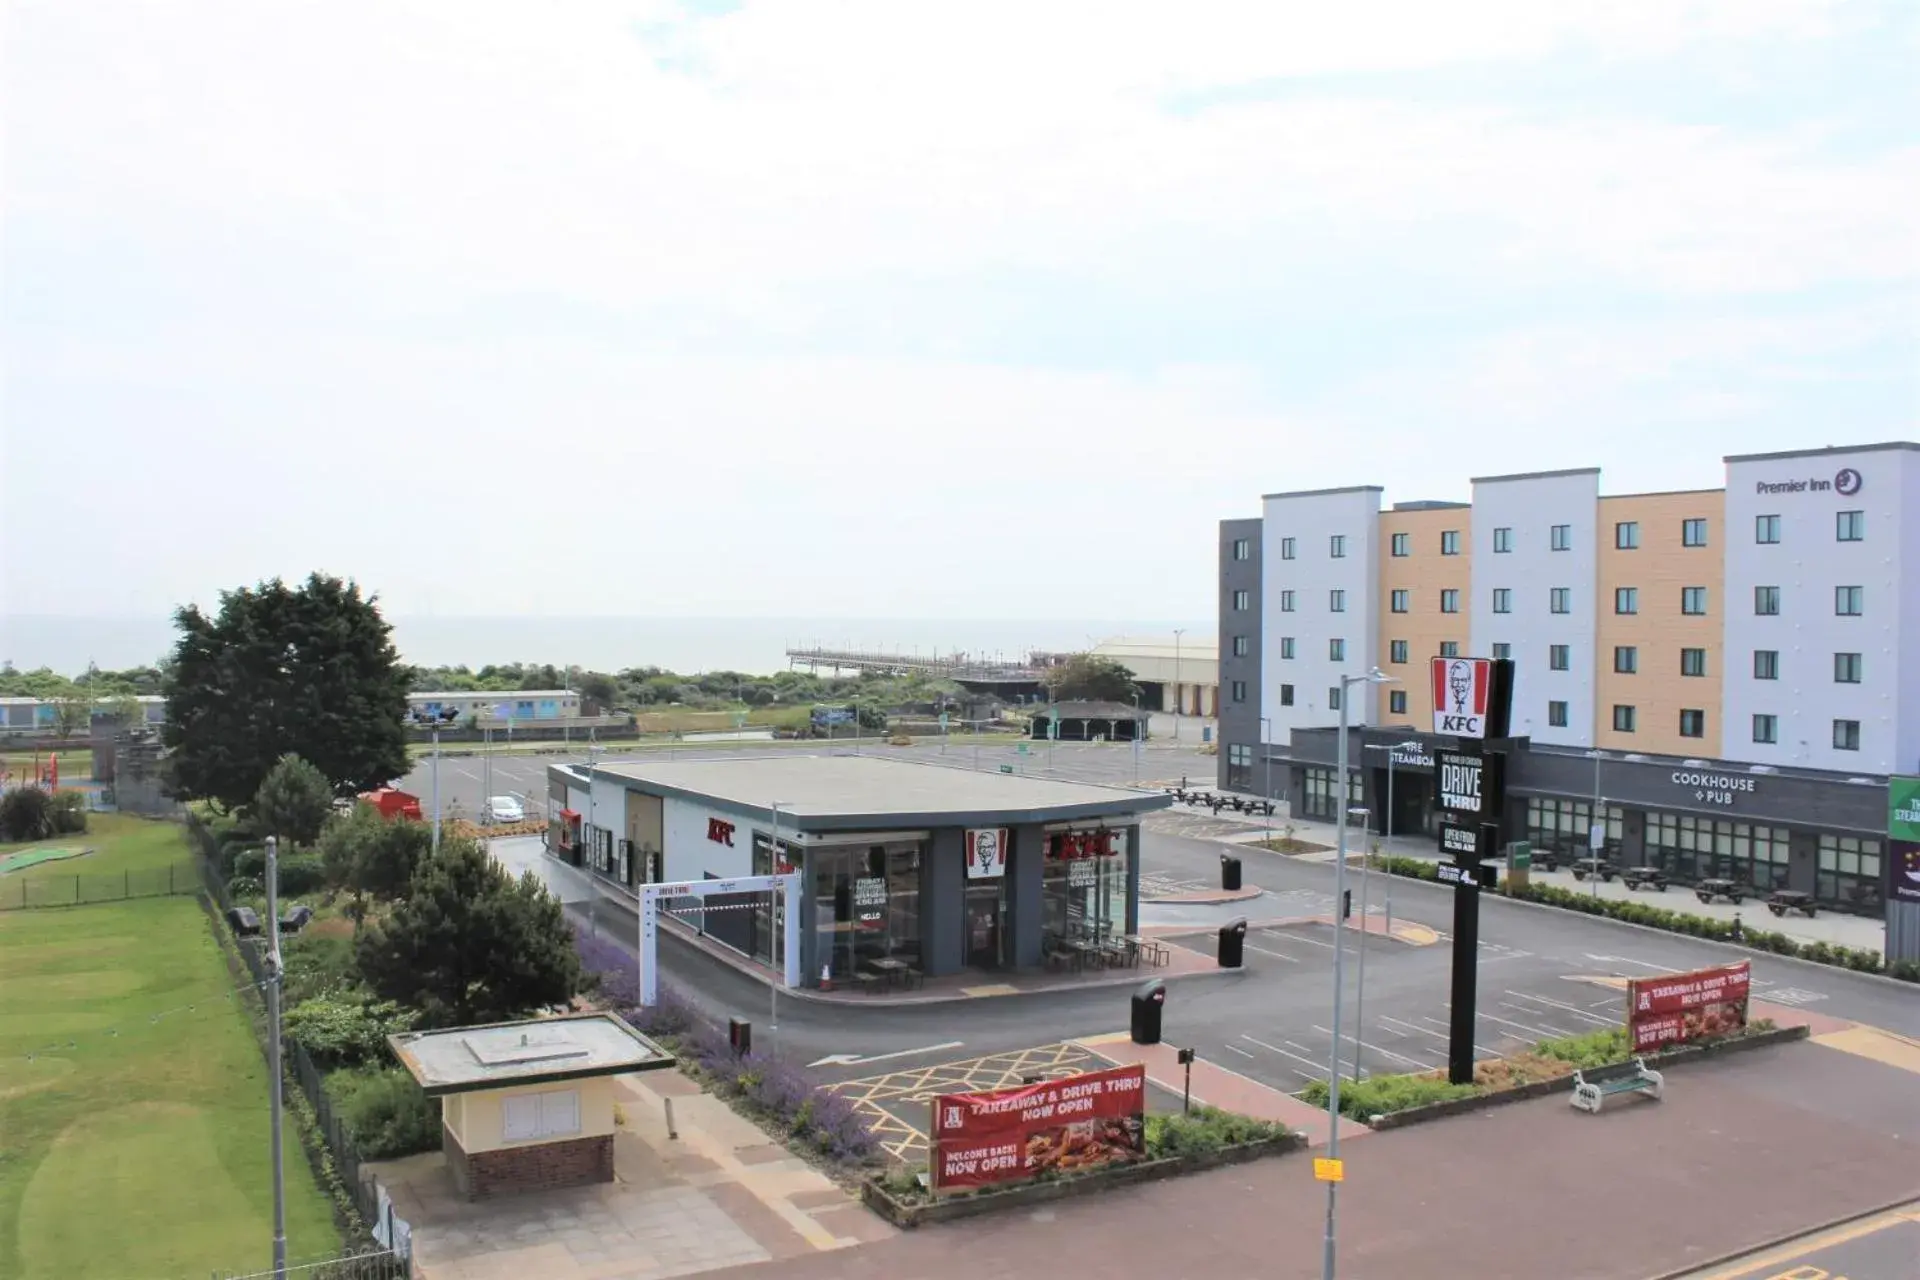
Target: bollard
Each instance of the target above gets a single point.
(671, 1131)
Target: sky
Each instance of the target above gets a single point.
(905, 308)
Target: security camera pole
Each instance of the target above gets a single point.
(275, 1080)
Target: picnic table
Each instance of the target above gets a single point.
(1781, 901)
(1594, 867)
(1708, 890)
(1644, 877)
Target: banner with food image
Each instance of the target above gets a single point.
(1688, 1006)
(1068, 1125)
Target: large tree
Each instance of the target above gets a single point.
(469, 943)
(309, 670)
(1086, 677)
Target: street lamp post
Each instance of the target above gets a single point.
(775, 945)
(1596, 827)
(1178, 701)
(1374, 676)
(1360, 1012)
(1266, 764)
(593, 829)
(276, 1080)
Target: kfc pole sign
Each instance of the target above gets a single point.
(1059, 1126)
(1471, 696)
(1688, 1006)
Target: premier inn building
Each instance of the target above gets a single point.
(939, 870)
(1728, 676)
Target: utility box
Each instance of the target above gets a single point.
(740, 1036)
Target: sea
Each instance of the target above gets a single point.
(754, 645)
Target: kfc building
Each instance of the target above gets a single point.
(906, 867)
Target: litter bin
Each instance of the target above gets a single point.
(1148, 1001)
(1233, 944)
(1229, 872)
(740, 1036)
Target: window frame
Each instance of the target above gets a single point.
(1286, 600)
(1400, 546)
(1503, 599)
(1560, 601)
(1626, 659)
(1399, 600)
(1336, 649)
(1693, 658)
(1336, 600)
(1337, 546)
(1449, 599)
(1397, 651)
(1770, 668)
(1242, 600)
(1766, 602)
(1627, 722)
(1559, 657)
(1557, 714)
(1850, 526)
(1699, 722)
(1626, 535)
(1628, 597)
(1396, 702)
(1691, 526)
(1287, 546)
(1242, 549)
(1766, 531)
(1689, 597)
(1449, 542)
(1846, 735)
(1850, 602)
(1242, 646)
(1848, 668)
(1560, 537)
(1771, 724)
(1502, 539)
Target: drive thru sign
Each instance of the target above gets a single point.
(1462, 692)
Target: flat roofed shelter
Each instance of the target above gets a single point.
(527, 1106)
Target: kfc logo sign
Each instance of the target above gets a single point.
(720, 832)
(986, 853)
(1462, 689)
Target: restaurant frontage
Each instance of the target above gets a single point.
(1771, 828)
(908, 870)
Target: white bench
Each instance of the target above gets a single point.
(1590, 1097)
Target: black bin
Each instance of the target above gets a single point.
(740, 1036)
(1148, 1001)
(1233, 944)
(1229, 873)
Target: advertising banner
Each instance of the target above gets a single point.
(1470, 786)
(1462, 690)
(1687, 1006)
(986, 853)
(1903, 839)
(1076, 1123)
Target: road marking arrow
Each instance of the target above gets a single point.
(856, 1060)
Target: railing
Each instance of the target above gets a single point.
(45, 890)
(382, 1264)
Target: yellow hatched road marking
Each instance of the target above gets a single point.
(903, 1140)
(1753, 1268)
(1871, 1042)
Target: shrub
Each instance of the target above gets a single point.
(1206, 1129)
(668, 1019)
(67, 814)
(26, 813)
(1412, 868)
(613, 974)
(1384, 1095)
(302, 873)
(385, 1112)
(1585, 1052)
(318, 965)
(345, 1030)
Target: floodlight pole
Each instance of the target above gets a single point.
(275, 1079)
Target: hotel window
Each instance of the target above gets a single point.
(1560, 600)
(1286, 548)
(1397, 651)
(1242, 601)
(1503, 599)
(1559, 657)
(1502, 540)
(1623, 718)
(1626, 659)
(1846, 735)
(1766, 729)
(1286, 695)
(1846, 668)
(1626, 599)
(1626, 536)
(1399, 600)
(1450, 601)
(1242, 549)
(1691, 849)
(1286, 647)
(1564, 823)
(1336, 601)
(1337, 546)
(1766, 529)
(1848, 602)
(1693, 724)
(1849, 873)
(1318, 787)
(1693, 662)
(1561, 537)
(1397, 702)
(1693, 533)
(1693, 601)
(1766, 602)
(1239, 690)
(1449, 648)
(1850, 526)
(1333, 697)
(1766, 664)
(1501, 650)
(1286, 602)
(1401, 543)
(1449, 542)
(1336, 651)
(1557, 715)
(1242, 646)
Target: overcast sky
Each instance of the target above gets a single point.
(906, 308)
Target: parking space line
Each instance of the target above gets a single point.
(1575, 1010)
(1517, 1026)
(1277, 955)
(1477, 1048)
(1409, 1026)
(1358, 1047)
(1283, 1053)
(1294, 937)
(1237, 1049)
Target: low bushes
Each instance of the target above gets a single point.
(29, 813)
(1205, 1129)
(385, 1112)
(299, 872)
(1383, 1095)
(345, 1030)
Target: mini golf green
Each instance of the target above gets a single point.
(21, 859)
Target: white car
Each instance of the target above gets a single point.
(505, 809)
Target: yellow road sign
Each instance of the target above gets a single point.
(1325, 1170)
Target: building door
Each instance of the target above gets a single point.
(983, 924)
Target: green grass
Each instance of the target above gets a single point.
(76, 763)
(120, 843)
(135, 1146)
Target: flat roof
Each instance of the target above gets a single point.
(850, 793)
(1829, 451)
(536, 1051)
(1323, 493)
(1536, 475)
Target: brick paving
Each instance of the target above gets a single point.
(1741, 1150)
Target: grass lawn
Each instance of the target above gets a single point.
(120, 842)
(135, 1147)
(76, 764)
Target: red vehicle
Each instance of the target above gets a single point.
(393, 803)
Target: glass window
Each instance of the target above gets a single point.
(1693, 533)
(1083, 883)
(1449, 648)
(1286, 647)
(1336, 601)
(1397, 651)
(1693, 601)
(1849, 602)
(1242, 601)
(1286, 602)
(1565, 824)
(1562, 537)
(1850, 526)
(1239, 688)
(1450, 600)
(1242, 646)
(1397, 702)
(866, 903)
(1240, 753)
(1286, 695)
(1766, 529)
(1846, 668)
(1333, 697)
(1623, 719)
(1502, 540)
(1693, 662)
(1286, 548)
(1626, 599)
(1846, 735)
(1766, 602)
(1766, 729)
(1626, 659)
(1401, 543)
(1503, 599)
(1690, 849)
(1766, 664)
(1337, 546)
(1320, 789)
(1559, 657)
(1626, 535)
(1848, 873)
(1693, 724)
(1242, 549)
(1502, 649)
(1336, 651)
(1560, 600)
(1557, 714)
(1449, 542)
(1399, 600)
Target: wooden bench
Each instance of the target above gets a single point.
(1643, 877)
(1590, 1096)
(1708, 890)
(1781, 901)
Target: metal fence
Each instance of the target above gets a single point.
(82, 890)
(378, 1265)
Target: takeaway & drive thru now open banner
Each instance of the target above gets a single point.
(1688, 1006)
(1010, 1135)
